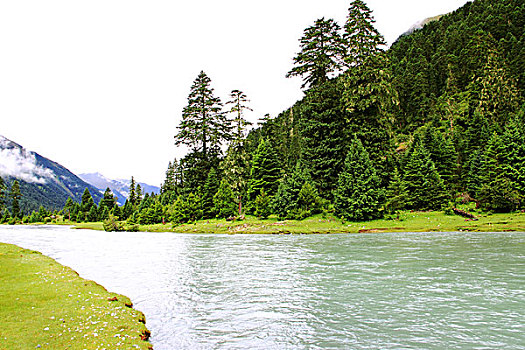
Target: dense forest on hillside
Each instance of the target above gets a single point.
(436, 120)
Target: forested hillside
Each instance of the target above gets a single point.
(434, 121)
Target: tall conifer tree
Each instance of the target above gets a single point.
(321, 53)
(265, 171)
(16, 195)
(359, 196)
(204, 126)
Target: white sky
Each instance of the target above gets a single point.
(99, 85)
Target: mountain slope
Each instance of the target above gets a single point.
(42, 181)
(119, 187)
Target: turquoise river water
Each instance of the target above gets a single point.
(355, 291)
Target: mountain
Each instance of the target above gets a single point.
(421, 24)
(119, 187)
(42, 181)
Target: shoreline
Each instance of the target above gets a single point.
(46, 304)
(406, 222)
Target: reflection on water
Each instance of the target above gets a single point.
(366, 291)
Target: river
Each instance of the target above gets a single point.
(356, 291)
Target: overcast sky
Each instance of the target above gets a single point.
(100, 85)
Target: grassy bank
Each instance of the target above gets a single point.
(405, 222)
(46, 305)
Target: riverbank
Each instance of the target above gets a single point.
(46, 305)
(404, 222)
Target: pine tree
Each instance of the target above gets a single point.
(107, 202)
(224, 201)
(503, 184)
(204, 126)
(359, 196)
(87, 202)
(321, 53)
(369, 95)
(361, 38)
(2, 194)
(238, 102)
(235, 167)
(262, 205)
(324, 132)
(397, 196)
(132, 197)
(265, 171)
(210, 189)
(16, 195)
(422, 181)
(287, 202)
(499, 95)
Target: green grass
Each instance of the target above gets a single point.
(46, 305)
(406, 222)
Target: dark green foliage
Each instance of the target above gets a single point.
(210, 189)
(185, 209)
(397, 196)
(262, 205)
(503, 182)
(3, 189)
(321, 53)
(359, 196)
(460, 46)
(224, 201)
(203, 126)
(422, 181)
(93, 215)
(265, 171)
(324, 129)
(132, 197)
(16, 195)
(296, 196)
(362, 40)
(107, 203)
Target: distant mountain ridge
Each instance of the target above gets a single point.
(42, 181)
(119, 187)
(421, 24)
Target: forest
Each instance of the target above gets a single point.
(434, 121)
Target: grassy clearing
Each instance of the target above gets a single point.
(406, 222)
(46, 305)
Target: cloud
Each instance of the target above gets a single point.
(21, 164)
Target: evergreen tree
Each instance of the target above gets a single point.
(224, 201)
(294, 194)
(132, 197)
(138, 195)
(397, 196)
(262, 205)
(235, 167)
(324, 131)
(321, 53)
(503, 185)
(265, 171)
(369, 95)
(499, 96)
(210, 189)
(238, 102)
(422, 181)
(203, 126)
(2, 194)
(16, 195)
(359, 196)
(107, 202)
(68, 208)
(87, 202)
(235, 164)
(362, 40)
